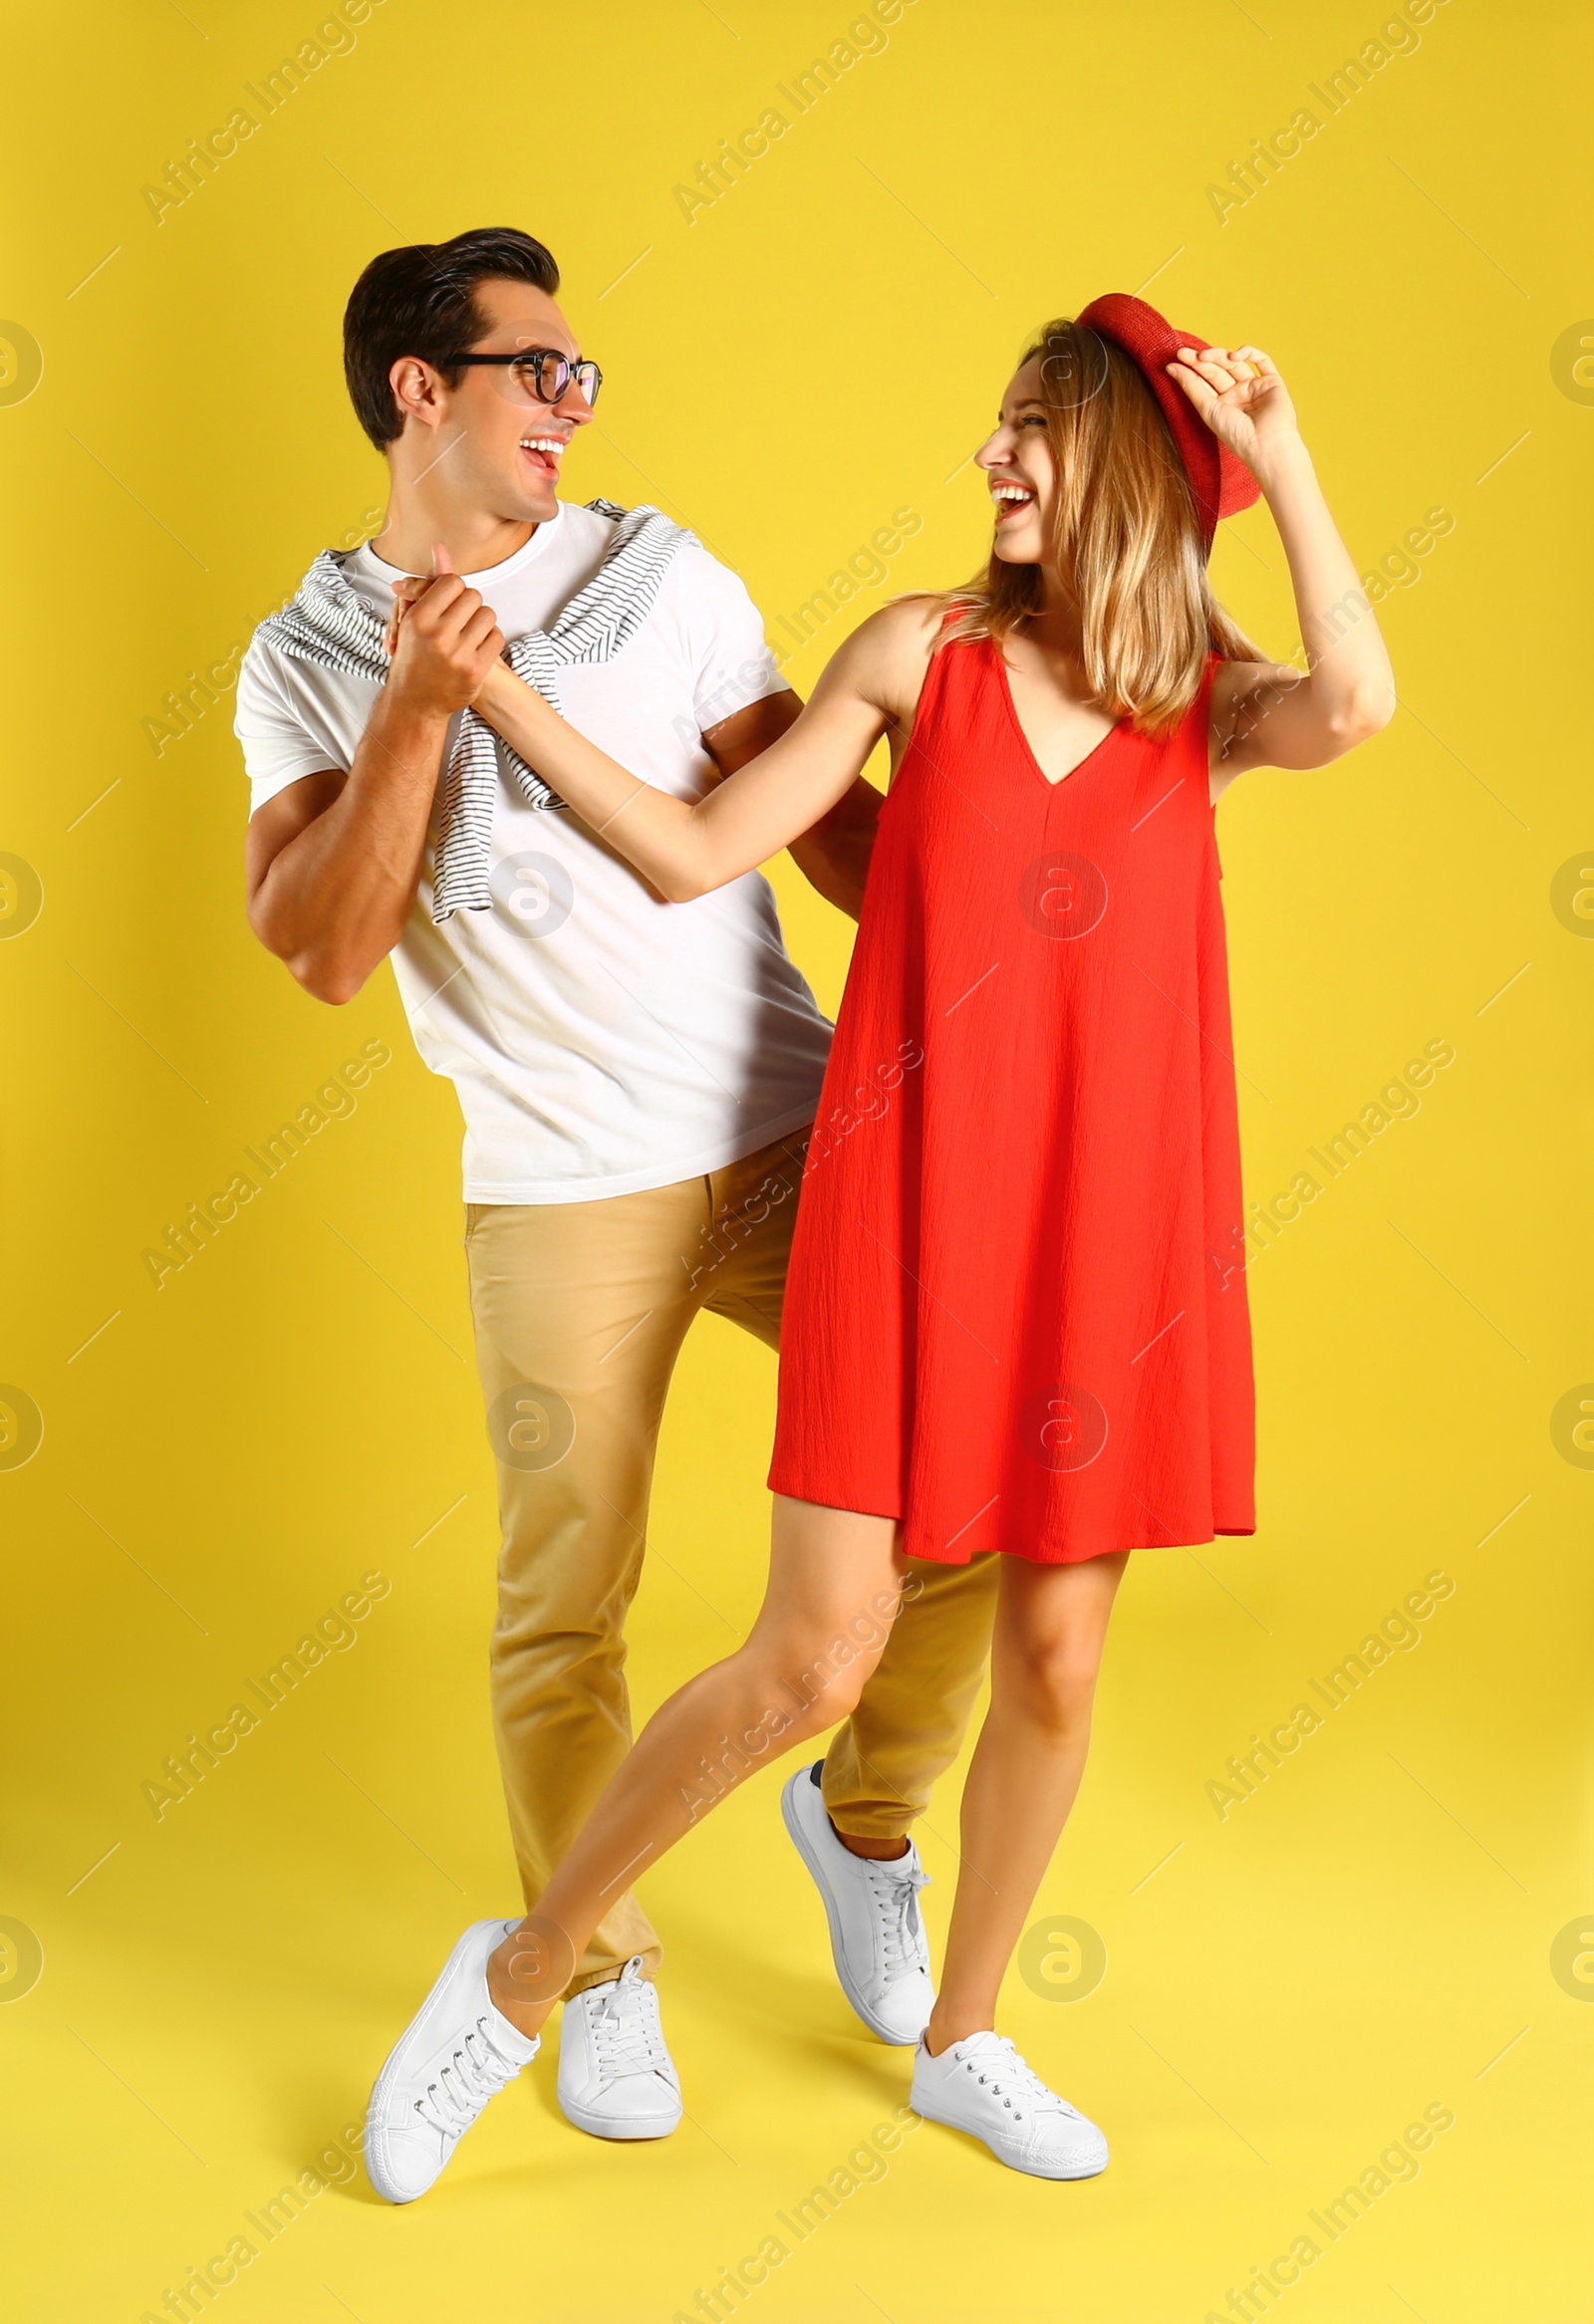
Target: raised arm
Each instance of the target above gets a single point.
(1265, 713)
(871, 684)
(333, 863)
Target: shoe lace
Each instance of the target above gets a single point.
(895, 1896)
(475, 2073)
(1010, 2077)
(626, 2035)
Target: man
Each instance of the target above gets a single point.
(637, 1080)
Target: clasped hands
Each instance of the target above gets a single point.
(444, 640)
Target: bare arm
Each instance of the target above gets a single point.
(683, 849)
(1265, 713)
(333, 863)
(834, 856)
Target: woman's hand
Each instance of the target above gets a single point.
(1240, 394)
(404, 595)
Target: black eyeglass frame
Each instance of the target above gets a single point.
(533, 359)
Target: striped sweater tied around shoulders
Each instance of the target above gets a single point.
(328, 625)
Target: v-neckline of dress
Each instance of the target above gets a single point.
(1052, 783)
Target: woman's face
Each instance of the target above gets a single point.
(1022, 472)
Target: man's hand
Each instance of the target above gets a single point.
(334, 860)
(443, 639)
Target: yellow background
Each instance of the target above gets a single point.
(1287, 1987)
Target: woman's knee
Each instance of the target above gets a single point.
(817, 1672)
(1056, 1682)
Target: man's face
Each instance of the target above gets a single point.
(499, 446)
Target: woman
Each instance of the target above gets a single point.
(1016, 1315)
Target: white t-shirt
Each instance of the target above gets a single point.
(601, 1041)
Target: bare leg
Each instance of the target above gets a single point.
(833, 1584)
(1051, 1622)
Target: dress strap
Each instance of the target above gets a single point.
(1203, 704)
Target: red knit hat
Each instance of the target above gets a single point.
(1220, 482)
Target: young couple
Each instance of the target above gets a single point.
(537, 751)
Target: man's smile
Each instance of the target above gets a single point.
(544, 451)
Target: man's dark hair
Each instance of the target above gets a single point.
(420, 301)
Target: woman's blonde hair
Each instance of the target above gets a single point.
(1125, 540)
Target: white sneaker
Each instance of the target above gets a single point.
(877, 1934)
(983, 2086)
(457, 2053)
(616, 2077)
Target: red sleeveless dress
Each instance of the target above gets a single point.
(1016, 1317)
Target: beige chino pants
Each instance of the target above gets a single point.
(579, 1311)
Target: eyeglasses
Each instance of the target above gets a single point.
(541, 372)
